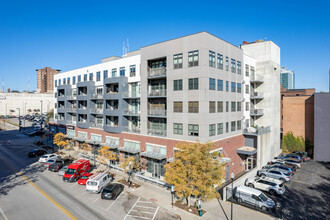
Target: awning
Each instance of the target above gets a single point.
(153, 156)
(129, 150)
(79, 139)
(246, 150)
(92, 142)
(112, 147)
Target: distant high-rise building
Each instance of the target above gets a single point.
(287, 78)
(45, 79)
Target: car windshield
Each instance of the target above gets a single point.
(263, 197)
(286, 174)
(84, 177)
(50, 161)
(107, 191)
(70, 171)
(92, 183)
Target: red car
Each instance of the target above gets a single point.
(83, 179)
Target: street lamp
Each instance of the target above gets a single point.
(172, 192)
(94, 152)
(232, 176)
(130, 173)
(19, 119)
(24, 114)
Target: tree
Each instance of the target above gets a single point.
(129, 165)
(61, 141)
(290, 143)
(106, 154)
(195, 172)
(50, 114)
(85, 147)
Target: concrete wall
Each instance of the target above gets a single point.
(322, 127)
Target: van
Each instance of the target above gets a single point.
(98, 181)
(76, 169)
(253, 197)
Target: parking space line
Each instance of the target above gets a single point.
(146, 207)
(84, 193)
(142, 212)
(145, 202)
(114, 201)
(3, 214)
(97, 199)
(72, 185)
(132, 208)
(137, 217)
(155, 213)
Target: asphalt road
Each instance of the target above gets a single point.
(27, 191)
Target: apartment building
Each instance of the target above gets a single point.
(287, 78)
(193, 88)
(45, 77)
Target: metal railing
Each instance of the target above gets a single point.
(256, 112)
(157, 132)
(256, 95)
(71, 109)
(96, 96)
(155, 72)
(157, 92)
(131, 112)
(157, 112)
(256, 78)
(131, 94)
(96, 125)
(257, 130)
(130, 129)
(71, 97)
(71, 122)
(96, 110)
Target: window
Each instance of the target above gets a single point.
(177, 61)
(220, 85)
(177, 85)
(227, 63)
(220, 128)
(73, 80)
(247, 72)
(178, 128)
(247, 106)
(114, 72)
(233, 106)
(211, 59)
(193, 107)
(252, 70)
(239, 125)
(122, 71)
(91, 77)
(98, 76)
(212, 107)
(193, 58)
(212, 84)
(64, 81)
(227, 106)
(239, 67)
(212, 130)
(55, 83)
(105, 74)
(233, 125)
(247, 89)
(79, 78)
(193, 130)
(178, 107)
(85, 77)
(220, 106)
(220, 61)
(193, 84)
(233, 87)
(233, 66)
(227, 127)
(68, 81)
(132, 70)
(239, 106)
(239, 87)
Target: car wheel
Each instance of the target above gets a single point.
(264, 208)
(239, 200)
(272, 192)
(282, 179)
(251, 185)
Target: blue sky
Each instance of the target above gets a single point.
(71, 34)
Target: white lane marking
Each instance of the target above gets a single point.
(145, 202)
(114, 201)
(132, 208)
(155, 213)
(72, 185)
(138, 217)
(146, 207)
(83, 194)
(142, 212)
(3, 214)
(97, 199)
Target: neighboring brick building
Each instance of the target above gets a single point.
(297, 112)
(45, 80)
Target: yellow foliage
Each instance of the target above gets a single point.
(85, 147)
(106, 154)
(60, 141)
(128, 164)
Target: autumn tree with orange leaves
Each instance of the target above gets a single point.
(61, 141)
(106, 154)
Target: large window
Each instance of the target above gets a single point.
(227, 106)
(193, 84)
(73, 80)
(247, 72)
(193, 107)
(122, 71)
(227, 127)
(220, 128)
(193, 130)
(193, 58)
(239, 87)
(247, 106)
(252, 70)
(233, 126)
(177, 61)
(98, 76)
(105, 74)
(64, 81)
(85, 77)
(91, 77)
(239, 125)
(114, 72)
(212, 107)
(233, 87)
(239, 67)
(247, 89)
(220, 106)
(212, 84)
(211, 59)
(178, 128)
(239, 106)
(177, 85)
(212, 130)
(177, 106)
(220, 85)
(79, 78)
(132, 70)
(227, 63)
(55, 83)
(68, 80)
(220, 61)
(233, 66)
(227, 86)
(233, 106)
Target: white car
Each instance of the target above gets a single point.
(46, 157)
(271, 185)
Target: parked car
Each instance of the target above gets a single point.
(277, 174)
(303, 155)
(46, 147)
(49, 162)
(279, 166)
(271, 185)
(98, 181)
(294, 156)
(253, 197)
(36, 152)
(112, 191)
(293, 167)
(59, 164)
(83, 179)
(292, 162)
(46, 157)
(62, 171)
(76, 169)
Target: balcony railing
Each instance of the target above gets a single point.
(157, 112)
(96, 96)
(130, 129)
(131, 112)
(157, 72)
(112, 124)
(72, 97)
(157, 132)
(257, 95)
(157, 92)
(257, 130)
(256, 112)
(96, 110)
(96, 125)
(73, 122)
(256, 78)
(127, 94)
(82, 94)
(82, 108)
(71, 109)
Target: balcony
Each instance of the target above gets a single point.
(157, 93)
(71, 109)
(96, 110)
(157, 132)
(61, 121)
(96, 125)
(131, 112)
(72, 97)
(157, 112)
(256, 79)
(82, 124)
(257, 95)
(131, 95)
(256, 112)
(158, 72)
(131, 130)
(73, 122)
(61, 109)
(96, 96)
(256, 130)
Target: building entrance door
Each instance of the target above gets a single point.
(157, 170)
(249, 163)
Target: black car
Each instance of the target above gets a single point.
(59, 164)
(46, 147)
(36, 152)
(112, 190)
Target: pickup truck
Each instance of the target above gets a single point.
(55, 167)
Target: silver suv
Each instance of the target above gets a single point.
(268, 184)
(277, 174)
